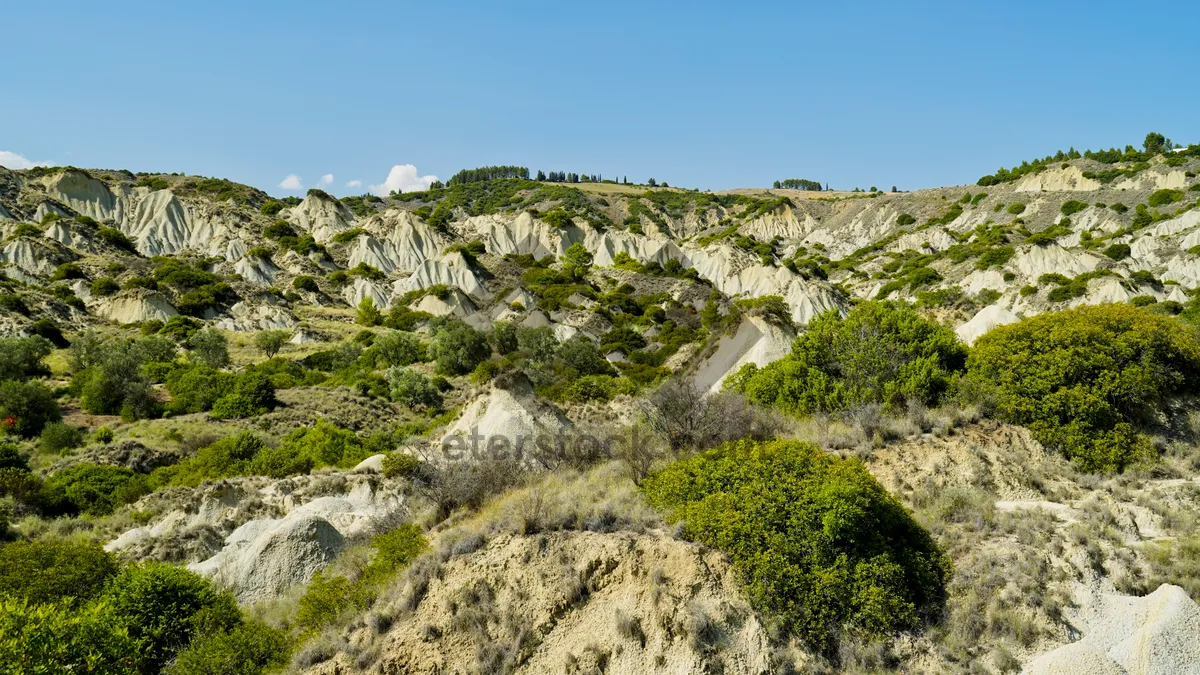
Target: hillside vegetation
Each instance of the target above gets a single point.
(564, 423)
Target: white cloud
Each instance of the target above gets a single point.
(326, 180)
(292, 182)
(356, 183)
(403, 178)
(11, 160)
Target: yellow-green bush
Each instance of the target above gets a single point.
(881, 352)
(821, 547)
(1084, 379)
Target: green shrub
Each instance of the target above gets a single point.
(54, 571)
(251, 648)
(1016, 209)
(400, 465)
(1071, 207)
(48, 329)
(1164, 197)
(325, 599)
(325, 444)
(881, 352)
(328, 597)
(26, 408)
(13, 303)
(271, 208)
(1119, 208)
(994, 257)
(94, 489)
(253, 394)
(115, 238)
(230, 456)
(905, 219)
(819, 544)
(1143, 300)
(305, 283)
(103, 435)
(196, 388)
(66, 271)
(12, 458)
(1081, 379)
(104, 286)
(58, 437)
(1117, 251)
(368, 314)
(56, 639)
(162, 606)
(279, 230)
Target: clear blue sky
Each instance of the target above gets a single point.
(701, 94)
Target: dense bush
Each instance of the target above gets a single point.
(1118, 251)
(115, 238)
(26, 408)
(881, 352)
(1164, 197)
(1072, 206)
(1016, 208)
(162, 606)
(56, 639)
(247, 649)
(58, 437)
(271, 341)
(305, 283)
(92, 489)
(54, 571)
(1083, 380)
(396, 348)
(411, 388)
(201, 388)
(819, 543)
(458, 349)
(230, 456)
(21, 358)
(104, 286)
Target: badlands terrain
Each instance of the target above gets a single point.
(491, 427)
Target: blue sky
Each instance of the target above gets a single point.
(700, 94)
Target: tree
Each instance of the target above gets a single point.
(651, 182)
(271, 341)
(458, 348)
(368, 315)
(504, 337)
(1156, 143)
(413, 389)
(209, 347)
(894, 189)
(577, 261)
